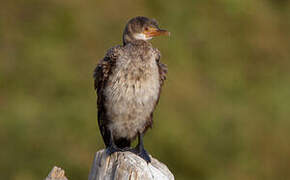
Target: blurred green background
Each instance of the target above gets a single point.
(224, 110)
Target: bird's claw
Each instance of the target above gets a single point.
(141, 153)
(112, 149)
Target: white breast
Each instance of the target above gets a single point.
(131, 94)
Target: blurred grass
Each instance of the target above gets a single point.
(224, 110)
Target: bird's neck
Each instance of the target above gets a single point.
(129, 38)
(137, 42)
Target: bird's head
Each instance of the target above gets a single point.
(142, 28)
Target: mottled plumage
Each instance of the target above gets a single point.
(128, 81)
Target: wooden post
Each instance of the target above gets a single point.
(120, 166)
(127, 166)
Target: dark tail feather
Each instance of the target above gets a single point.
(122, 143)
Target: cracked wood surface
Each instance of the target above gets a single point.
(120, 166)
(127, 166)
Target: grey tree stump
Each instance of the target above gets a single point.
(120, 166)
(127, 166)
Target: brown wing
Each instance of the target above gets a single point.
(162, 73)
(162, 68)
(101, 75)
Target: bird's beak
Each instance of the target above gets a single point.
(153, 32)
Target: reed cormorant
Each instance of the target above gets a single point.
(128, 81)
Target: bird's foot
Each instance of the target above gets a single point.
(141, 153)
(112, 149)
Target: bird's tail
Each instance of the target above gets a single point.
(122, 143)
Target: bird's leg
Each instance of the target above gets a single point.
(112, 146)
(139, 149)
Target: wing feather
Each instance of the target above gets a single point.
(101, 75)
(162, 68)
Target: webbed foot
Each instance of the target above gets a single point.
(142, 153)
(139, 149)
(112, 149)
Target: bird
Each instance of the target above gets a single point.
(128, 83)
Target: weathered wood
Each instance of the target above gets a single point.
(127, 166)
(120, 166)
(56, 174)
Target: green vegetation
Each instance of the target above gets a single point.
(224, 111)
